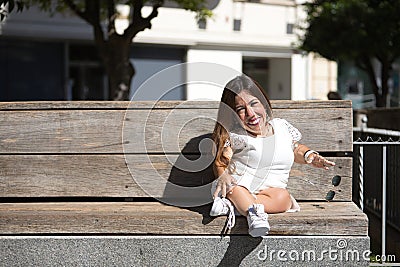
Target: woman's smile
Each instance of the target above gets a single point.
(254, 121)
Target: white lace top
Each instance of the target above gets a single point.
(261, 162)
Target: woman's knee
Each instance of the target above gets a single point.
(282, 196)
(276, 199)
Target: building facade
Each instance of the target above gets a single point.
(54, 58)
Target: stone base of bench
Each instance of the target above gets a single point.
(184, 250)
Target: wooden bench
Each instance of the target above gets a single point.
(67, 195)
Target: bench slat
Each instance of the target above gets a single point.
(276, 104)
(108, 176)
(316, 218)
(100, 131)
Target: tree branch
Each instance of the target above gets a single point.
(93, 12)
(385, 75)
(154, 12)
(366, 65)
(138, 23)
(137, 10)
(111, 16)
(75, 9)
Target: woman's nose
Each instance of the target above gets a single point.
(249, 111)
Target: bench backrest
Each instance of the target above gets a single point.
(85, 149)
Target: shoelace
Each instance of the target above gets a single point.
(261, 215)
(231, 215)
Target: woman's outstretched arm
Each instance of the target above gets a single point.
(305, 155)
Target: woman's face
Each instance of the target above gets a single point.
(251, 112)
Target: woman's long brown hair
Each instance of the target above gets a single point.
(227, 119)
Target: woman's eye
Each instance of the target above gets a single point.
(254, 103)
(238, 110)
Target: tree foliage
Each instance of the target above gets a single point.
(359, 31)
(114, 48)
(7, 6)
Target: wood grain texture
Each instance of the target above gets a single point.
(150, 131)
(55, 105)
(315, 218)
(109, 176)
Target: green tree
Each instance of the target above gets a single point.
(113, 48)
(359, 31)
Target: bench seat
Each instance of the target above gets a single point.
(315, 218)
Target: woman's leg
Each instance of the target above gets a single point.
(241, 199)
(275, 200)
(256, 218)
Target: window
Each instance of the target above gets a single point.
(202, 24)
(236, 24)
(87, 78)
(289, 28)
(258, 69)
(31, 70)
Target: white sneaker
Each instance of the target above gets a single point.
(258, 221)
(222, 206)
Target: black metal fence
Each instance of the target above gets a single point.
(376, 162)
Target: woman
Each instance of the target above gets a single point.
(254, 155)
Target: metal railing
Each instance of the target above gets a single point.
(377, 174)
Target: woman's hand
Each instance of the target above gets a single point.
(227, 152)
(224, 184)
(319, 161)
